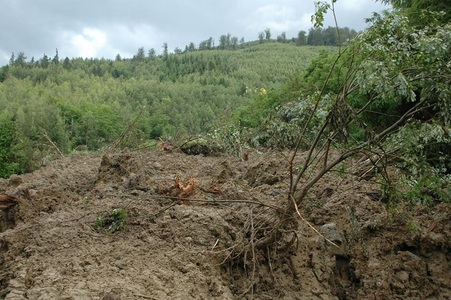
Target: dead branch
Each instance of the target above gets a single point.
(311, 226)
(46, 136)
(216, 201)
(126, 131)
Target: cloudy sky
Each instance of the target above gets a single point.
(94, 28)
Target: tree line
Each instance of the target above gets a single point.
(329, 36)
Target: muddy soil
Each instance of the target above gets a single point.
(60, 239)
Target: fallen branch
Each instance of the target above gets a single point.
(311, 226)
(126, 131)
(213, 201)
(44, 133)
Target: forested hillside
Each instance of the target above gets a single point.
(388, 86)
(90, 102)
(254, 170)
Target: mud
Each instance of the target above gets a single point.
(52, 247)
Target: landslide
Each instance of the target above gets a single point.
(55, 244)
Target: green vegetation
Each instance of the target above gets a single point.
(384, 97)
(89, 103)
(112, 222)
(414, 8)
(10, 160)
(384, 94)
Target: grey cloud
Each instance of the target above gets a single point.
(36, 27)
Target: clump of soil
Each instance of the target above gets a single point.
(172, 246)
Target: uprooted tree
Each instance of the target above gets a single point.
(390, 86)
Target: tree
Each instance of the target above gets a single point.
(191, 47)
(207, 44)
(302, 38)
(390, 64)
(268, 34)
(56, 59)
(152, 53)
(315, 37)
(165, 50)
(282, 38)
(412, 8)
(210, 43)
(44, 62)
(12, 59)
(223, 42)
(140, 56)
(67, 63)
(10, 162)
(234, 42)
(21, 59)
(261, 37)
(346, 34)
(330, 37)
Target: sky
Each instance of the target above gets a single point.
(103, 29)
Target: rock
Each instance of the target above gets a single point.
(333, 233)
(408, 256)
(403, 276)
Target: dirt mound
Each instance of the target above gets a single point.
(54, 244)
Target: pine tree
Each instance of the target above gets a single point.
(12, 59)
(56, 59)
(165, 50)
(44, 61)
(152, 53)
(21, 59)
(140, 56)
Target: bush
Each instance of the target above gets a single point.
(422, 148)
(112, 221)
(196, 147)
(421, 151)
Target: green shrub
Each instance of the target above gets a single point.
(423, 189)
(112, 222)
(196, 147)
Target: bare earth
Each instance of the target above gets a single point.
(50, 247)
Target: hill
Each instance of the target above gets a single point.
(89, 103)
(357, 208)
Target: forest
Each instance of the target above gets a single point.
(87, 103)
(271, 92)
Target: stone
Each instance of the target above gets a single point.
(331, 232)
